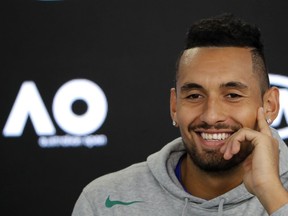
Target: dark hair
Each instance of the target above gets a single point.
(228, 31)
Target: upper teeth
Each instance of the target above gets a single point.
(215, 136)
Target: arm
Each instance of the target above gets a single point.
(261, 168)
(82, 207)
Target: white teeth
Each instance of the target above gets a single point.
(215, 136)
(219, 136)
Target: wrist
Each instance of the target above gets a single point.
(273, 197)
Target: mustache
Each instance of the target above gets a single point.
(217, 126)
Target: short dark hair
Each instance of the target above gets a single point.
(226, 30)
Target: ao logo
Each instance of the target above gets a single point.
(30, 104)
(281, 82)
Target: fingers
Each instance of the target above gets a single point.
(241, 139)
(231, 150)
(262, 123)
(247, 136)
(233, 144)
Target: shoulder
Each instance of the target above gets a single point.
(126, 184)
(126, 179)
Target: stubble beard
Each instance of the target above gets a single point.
(212, 160)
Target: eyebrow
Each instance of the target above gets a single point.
(189, 86)
(233, 84)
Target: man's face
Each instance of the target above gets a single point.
(217, 94)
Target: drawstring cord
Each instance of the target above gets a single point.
(220, 208)
(185, 206)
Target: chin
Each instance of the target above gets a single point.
(212, 160)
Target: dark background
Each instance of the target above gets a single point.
(129, 49)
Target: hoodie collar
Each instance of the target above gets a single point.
(162, 165)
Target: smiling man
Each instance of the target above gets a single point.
(228, 160)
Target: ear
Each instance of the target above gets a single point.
(271, 103)
(173, 107)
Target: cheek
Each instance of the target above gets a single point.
(246, 117)
(186, 115)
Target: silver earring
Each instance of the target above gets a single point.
(269, 121)
(174, 123)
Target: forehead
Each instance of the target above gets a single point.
(216, 64)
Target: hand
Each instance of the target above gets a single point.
(261, 168)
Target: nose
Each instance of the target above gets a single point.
(213, 111)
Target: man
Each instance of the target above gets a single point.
(228, 160)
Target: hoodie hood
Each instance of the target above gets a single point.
(162, 165)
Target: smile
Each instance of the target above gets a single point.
(215, 136)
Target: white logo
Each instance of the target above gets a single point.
(29, 103)
(281, 82)
(84, 90)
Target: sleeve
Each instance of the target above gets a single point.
(283, 211)
(82, 207)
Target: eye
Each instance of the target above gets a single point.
(233, 96)
(194, 96)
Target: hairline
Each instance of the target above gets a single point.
(258, 64)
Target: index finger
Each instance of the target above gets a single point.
(262, 123)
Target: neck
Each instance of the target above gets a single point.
(208, 185)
